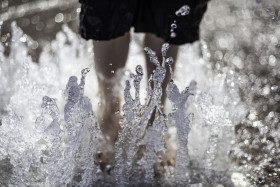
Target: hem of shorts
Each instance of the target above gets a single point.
(105, 36)
(102, 35)
(174, 41)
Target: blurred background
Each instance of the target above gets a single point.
(242, 38)
(39, 19)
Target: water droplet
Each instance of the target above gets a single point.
(149, 51)
(164, 49)
(108, 167)
(183, 11)
(110, 64)
(85, 71)
(139, 70)
(172, 34)
(23, 39)
(78, 10)
(59, 18)
(121, 121)
(174, 26)
(169, 61)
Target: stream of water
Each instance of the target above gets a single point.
(220, 126)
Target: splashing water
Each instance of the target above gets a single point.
(137, 130)
(56, 142)
(45, 149)
(42, 148)
(183, 11)
(242, 84)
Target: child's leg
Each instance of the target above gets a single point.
(109, 56)
(155, 43)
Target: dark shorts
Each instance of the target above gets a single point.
(109, 19)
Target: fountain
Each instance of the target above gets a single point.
(42, 145)
(226, 134)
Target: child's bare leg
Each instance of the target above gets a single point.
(155, 43)
(109, 56)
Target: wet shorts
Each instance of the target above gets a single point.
(109, 19)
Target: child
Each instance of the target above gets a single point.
(108, 22)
